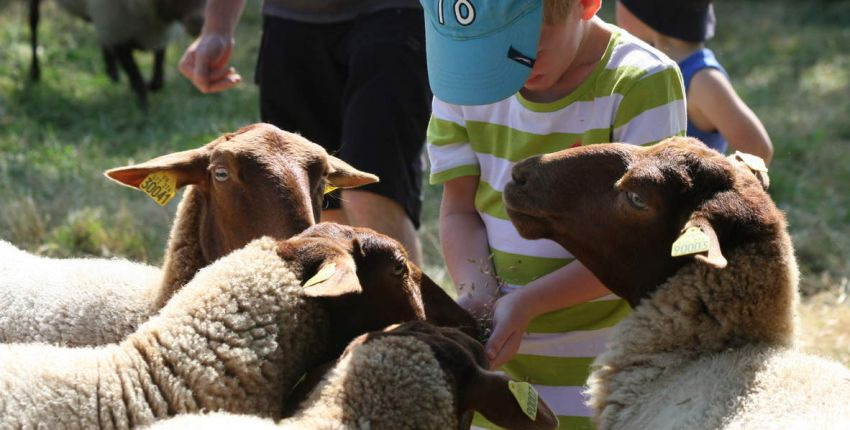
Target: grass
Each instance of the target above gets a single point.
(787, 59)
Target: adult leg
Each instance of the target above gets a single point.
(301, 86)
(385, 117)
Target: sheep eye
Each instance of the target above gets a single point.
(635, 200)
(221, 174)
(398, 270)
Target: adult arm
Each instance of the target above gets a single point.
(205, 61)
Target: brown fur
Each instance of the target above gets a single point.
(710, 342)
(235, 339)
(274, 188)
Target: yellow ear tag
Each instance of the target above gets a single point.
(754, 162)
(160, 186)
(693, 241)
(526, 397)
(329, 188)
(322, 275)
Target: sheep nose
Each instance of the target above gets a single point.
(519, 173)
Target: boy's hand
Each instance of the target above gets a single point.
(510, 320)
(205, 63)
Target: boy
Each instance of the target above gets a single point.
(716, 115)
(500, 96)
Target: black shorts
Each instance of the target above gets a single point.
(359, 88)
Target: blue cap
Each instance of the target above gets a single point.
(480, 51)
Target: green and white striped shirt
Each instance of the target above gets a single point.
(635, 95)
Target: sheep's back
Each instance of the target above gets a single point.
(72, 302)
(746, 388)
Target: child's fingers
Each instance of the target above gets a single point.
(509, 348)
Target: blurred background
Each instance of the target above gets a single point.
(789, 60)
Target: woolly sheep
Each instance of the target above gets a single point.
(235, 339)
(412, 376)
(123, 26)
(273, 177)
(710, 343)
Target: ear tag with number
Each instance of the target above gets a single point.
(754, 162)
(526, 397)
(322, 275)
(160, 186)
(693, 241)
(329, 188)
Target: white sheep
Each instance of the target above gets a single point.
(235, 339)
(243, 185)
(413, 376)
(123, 26)
(702, 254)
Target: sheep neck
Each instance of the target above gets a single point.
(698, 312)
(183, 256)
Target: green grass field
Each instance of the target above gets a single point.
(789, 60)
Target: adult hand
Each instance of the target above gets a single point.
(510, 320)
(205, 63)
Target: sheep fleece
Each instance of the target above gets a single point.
(234, 339)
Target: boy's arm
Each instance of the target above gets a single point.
(463, 239)
(567, 286)
(712, 95)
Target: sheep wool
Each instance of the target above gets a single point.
(714, 349)
(116, 291)
(235, 339)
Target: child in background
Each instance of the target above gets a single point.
(513, 79)
(679, 28)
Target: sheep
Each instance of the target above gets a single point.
(235, 339)
(409, 376)
(123, 26)
(273, 177)
(711, 341)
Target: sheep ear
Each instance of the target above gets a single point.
(186, 167)
(336, 276)
(699, 239)
(343, 175)
(490, 394)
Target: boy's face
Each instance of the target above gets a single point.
(556, 50)
(629, 22)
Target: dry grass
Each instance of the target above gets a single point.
(825, 318)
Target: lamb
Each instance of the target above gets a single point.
(235, 339)
(710, 343)
(275, 178)
(409, 376)
(125, 25)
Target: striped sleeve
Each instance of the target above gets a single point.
(449, 151)
(653, 108)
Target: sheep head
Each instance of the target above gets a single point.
(619, 208)
(389, 287)
(257, 181)
(465, 365)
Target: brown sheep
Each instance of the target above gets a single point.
(710, 343)
(257, 181)
(235, 339)
(408, 376)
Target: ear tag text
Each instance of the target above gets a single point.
(160, 186)
(526, 397)
(329, 188)
(322, 275)
(693, 241)
(754, 162)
